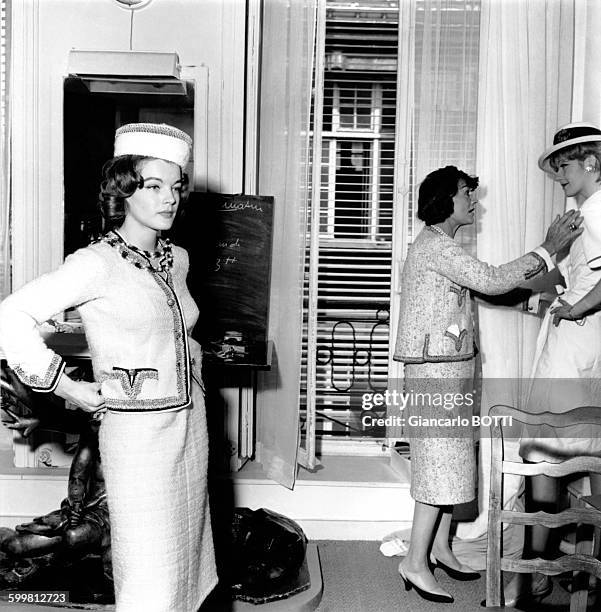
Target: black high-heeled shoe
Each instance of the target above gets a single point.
(427, 595)
(455, 574)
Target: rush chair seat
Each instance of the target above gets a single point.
(585, 515)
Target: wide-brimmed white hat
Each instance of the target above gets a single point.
(154, 140)
(566, 136)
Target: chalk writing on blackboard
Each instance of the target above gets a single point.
(228, 238)
(226, 244)
(235, 206)
(221, 262)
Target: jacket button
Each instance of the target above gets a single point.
(170, 302)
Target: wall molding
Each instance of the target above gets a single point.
(253, 76)
(37, 210)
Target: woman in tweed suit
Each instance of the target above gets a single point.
(435, 341)
(130, 290)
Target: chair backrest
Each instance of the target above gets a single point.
(577, 416)
(504, 416)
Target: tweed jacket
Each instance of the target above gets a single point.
(136, 323)
(435, 321)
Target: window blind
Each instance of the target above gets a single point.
(355, 213)
(349, 342)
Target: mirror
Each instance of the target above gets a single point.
(93, 109)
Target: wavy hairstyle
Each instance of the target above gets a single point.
(578, 151)
(120, 179)
(435, 201)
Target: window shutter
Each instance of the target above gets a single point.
(347, 331)
(355, 213)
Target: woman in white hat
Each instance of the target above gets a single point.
(569, 341)
(130, 289)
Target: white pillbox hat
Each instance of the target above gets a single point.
(157, 140)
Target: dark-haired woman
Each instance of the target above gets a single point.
(130, 289)
(436, 342)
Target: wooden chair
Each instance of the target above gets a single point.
(582, 516)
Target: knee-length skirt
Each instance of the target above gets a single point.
(566, 374)
(155, 467)
(443, 461)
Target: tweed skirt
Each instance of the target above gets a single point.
(155, 466)
(443, 460)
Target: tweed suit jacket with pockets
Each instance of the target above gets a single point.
(435, 321)
(137, 324)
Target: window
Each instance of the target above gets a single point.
(348, 280)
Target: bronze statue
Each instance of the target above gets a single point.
(81, 526)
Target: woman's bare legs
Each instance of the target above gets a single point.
(544, 496)
(426, 519)
(441, 548)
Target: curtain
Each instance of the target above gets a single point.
(524, 94)
(446, 91)
(288, 40)
(4, 152)
(6, 436)
(586, 101)
(444, 65)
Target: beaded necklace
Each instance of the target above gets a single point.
(138, 257)
(436, 229)
(164, 255)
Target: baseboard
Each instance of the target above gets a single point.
(351, 498)
(350, 530)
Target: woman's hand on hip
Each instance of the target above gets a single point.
(562, 312)
(84, 395)
(563, 231)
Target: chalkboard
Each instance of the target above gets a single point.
(228, 239)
